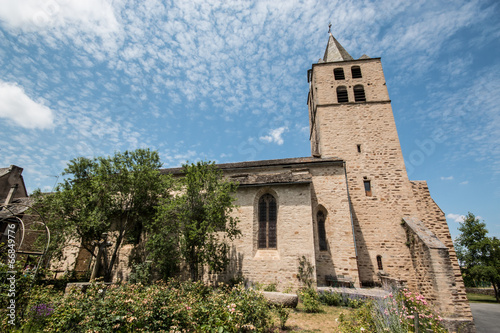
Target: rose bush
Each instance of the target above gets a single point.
(162, 307)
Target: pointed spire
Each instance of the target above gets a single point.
(334, 51)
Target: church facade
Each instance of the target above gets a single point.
(350, 208)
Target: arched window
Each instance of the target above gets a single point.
(321, 231)
(359, 93)
(339, 74)
(356, 72)
(379, 263)
(267, 222)
(342, 95)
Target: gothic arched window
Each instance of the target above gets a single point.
(356, 72)
(342, 95)
(321, 231)
(359, 93)
(339, 74)
(267, 222)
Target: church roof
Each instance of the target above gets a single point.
(285, 162)
(335, 52)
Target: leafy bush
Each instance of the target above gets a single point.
(331, 298)
(354, 302)
(172, 306)
(361, 319)
(338, 299)
(141, 273)
(15, 285)
(271, 287)
(310, 298)
(305, 272)
(283, 313)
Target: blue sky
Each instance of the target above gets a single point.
(226, 81)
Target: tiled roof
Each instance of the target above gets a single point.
(297, 161)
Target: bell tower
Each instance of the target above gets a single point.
(351, 119)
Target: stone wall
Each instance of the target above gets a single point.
(298, 204)
(329, 193)
(294, 234)
(434, 269)
(481, 291)
(435, 220)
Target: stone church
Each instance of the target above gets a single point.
(350, 208)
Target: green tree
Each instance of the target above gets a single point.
(478, 254)
(194, 227)
(105, 201)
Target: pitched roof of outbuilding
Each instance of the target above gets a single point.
(4, 171)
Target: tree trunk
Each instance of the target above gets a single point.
(193, 264)
(97, 263)
(109, 267)
(119, 239)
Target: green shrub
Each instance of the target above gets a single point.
(361, 319)
(15, 286)
(354, 302)
(283, 314)
(40, 307)
(141, 273)
(310, 298)
(331, 298)
(305, 272)
(338, 299)
(271, 287)
(172, 306)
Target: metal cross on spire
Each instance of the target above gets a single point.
(330, 27)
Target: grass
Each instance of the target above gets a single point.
(324, 321)
(479, 298)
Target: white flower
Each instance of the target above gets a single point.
(100, 291)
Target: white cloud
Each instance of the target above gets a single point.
(20, 108)
(455, 217)
(275, 136)
(36, 15)
(447, 178)
(465, 182)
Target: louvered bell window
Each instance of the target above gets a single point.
(359, 93)
(342, 95)
(338, 73)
